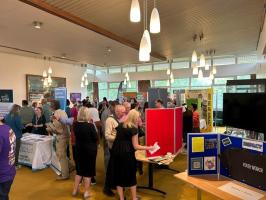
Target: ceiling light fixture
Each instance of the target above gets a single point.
(37, 24)
(200, 75)
(135, 11)
(202, 60)
(155, 25)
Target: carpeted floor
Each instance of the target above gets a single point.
(41, 185)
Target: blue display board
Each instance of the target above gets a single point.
(60, 94)
(202, 153)
(243, 160)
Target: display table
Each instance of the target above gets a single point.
(36, 151)
(211, 184)
(140, 156)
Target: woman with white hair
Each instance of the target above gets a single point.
(86, 150)
(123, 155)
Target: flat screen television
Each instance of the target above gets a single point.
(245, 111)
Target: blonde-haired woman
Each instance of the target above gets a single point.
(123, 153)
(86, 151)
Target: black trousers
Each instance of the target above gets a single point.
(4, 189)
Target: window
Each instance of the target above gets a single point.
(222, 81)
(101, 72)
(133, 87)
(90, 71)
(102, 90)
(114, 70)
(128, 69)
(243, 77)
(161, 66)
(247, 59)
(180, 83)
(218, 92)
(114, 85)
(161, 83)
(204, 82)
(144, 68)
(180, 65)
(113, 94)
(90, 90)
(224, 61)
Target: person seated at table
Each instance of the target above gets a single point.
(123, 155)
(86, 151)
(38, 122)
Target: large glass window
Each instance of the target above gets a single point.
(161, 66)
(133, 87)
(224, 61)
(128, 69)
(218, 92)
(203, 82)
(101, 72)
(222, 81)
(113, 94)
(114, 85)
(161, 83)
(144, 68)
(243, 77)
(180, 83)
(247, 59)
(180, 64)
(116, 70)
(90, 71)
(103, 92)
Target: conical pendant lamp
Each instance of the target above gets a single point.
(155, 25)
(135, 11)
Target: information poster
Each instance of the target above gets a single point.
(6, 100)
(60, 94)
(202, 153)
(74, 97)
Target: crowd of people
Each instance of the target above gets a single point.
(82, 126)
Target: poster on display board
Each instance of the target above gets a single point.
(74, 97)
(205, 98)
(202, 153)
(243, 160)
(60, 94)
(6, 101)
(164, 126)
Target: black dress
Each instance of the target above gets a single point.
(123, 158)
(86, 148)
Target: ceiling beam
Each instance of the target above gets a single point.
(90, 26)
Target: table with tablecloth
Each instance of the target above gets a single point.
(37, 152)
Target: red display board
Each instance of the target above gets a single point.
(165, 127)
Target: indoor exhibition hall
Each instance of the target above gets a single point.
(132, 99)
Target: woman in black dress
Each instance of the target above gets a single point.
(86, 151)
(123, 155)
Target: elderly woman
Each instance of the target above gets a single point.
(86, 151)
(123, 154)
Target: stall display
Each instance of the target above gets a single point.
(36, 151)
(202, 153)
(164, 126)
(60, 94)
(204, 99)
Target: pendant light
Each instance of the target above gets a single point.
(195, 70)
(82, 84)
(202, 60)
(171, 75)
(135, 11)
(172, 80)
(86, 82)
(155, 25)
(50, 70)
(214, 71)
(45, 83)
(211, 77)
(168, 71)
(82, 79)
(194, 56)
(44, 74)
(168, 83)
(49, 79)
(200, 75)
(207, 67)
(145, 43)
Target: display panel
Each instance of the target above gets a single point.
(245, 111)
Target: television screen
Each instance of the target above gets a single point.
(245, 111)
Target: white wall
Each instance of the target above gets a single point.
(13, 70)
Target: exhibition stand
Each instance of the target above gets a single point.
(217, 159)
(36, 151)
(164, 127)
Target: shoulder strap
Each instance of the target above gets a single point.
(114, 118)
